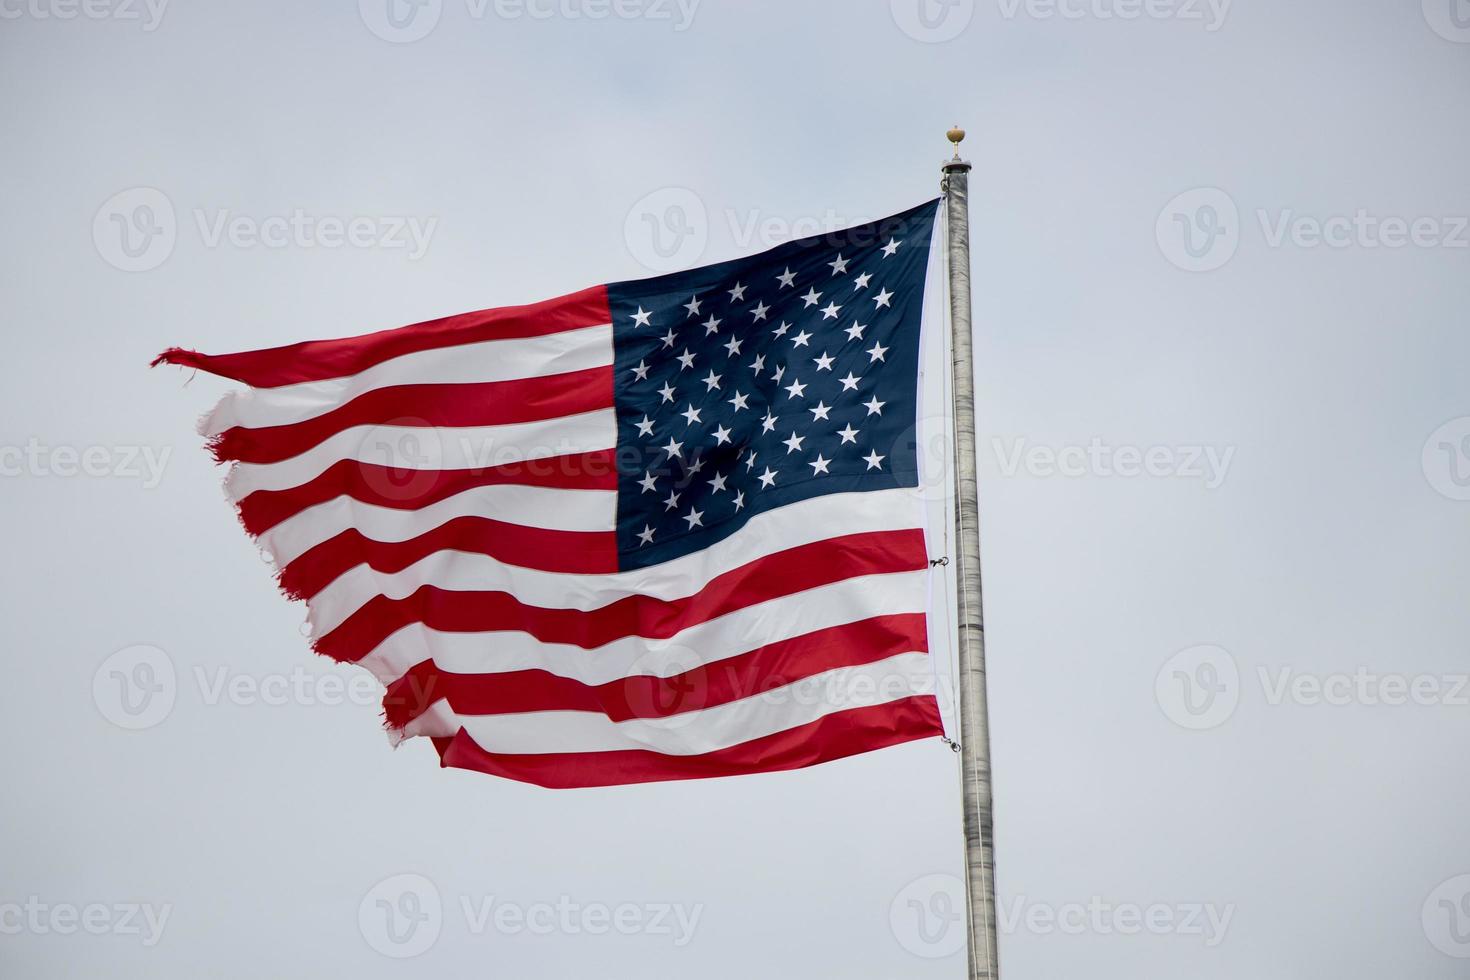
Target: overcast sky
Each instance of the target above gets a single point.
(1222, 276)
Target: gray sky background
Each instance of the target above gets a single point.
(1140, 626)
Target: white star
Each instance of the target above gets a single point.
(760, 311)
(739, 401)
(646, 535)
(692, 306)
(781, 330)
(740, 501)
(718, 483)
(712, 325)
(668, 338)
(645, 428)
(787, 278)
(855, 332)
(850, 382)
(819, 465)
(750, 462)
(694, 517)
(640, 319)
(768, 423)
(796, 389)
(801, 339)
(672, 501)
(824, 363)
(759, 364)
(667, 392)
(722, 435)
(794, 443)
(686, 359)
(876, 352)
(811, 297)
(848, 434)
(696, 467)
(862, 281)
(641, 371)
(874, 406)
(829, 312)
(648, 482)
(820, 411)
(779, 373)
(733, 347)
(882, 299)
(840, 265)
(767, 478)
(890, 248)
(737, 293)
(873, 460)
(712, 382)
(673, 448)
(691, 415)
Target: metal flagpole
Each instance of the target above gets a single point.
(974, 720)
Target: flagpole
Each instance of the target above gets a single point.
(974, 717)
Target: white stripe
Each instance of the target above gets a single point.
(800, 523)
(693, 732)
(432, 448)
(737, 632)
(491, 360)
(539, 507)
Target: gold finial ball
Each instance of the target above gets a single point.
(955, 136)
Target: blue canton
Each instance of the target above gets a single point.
(752, 384)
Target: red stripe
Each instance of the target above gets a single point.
(834, 736)
(405, 489)
(755, 672)
(425, 405)
(319, 360)
(584, 552)
(784, 573)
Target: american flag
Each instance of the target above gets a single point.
(659, 529)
